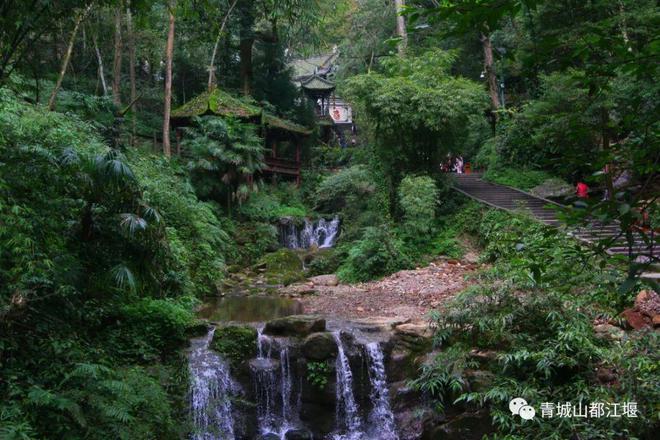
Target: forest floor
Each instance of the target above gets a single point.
(407, 294)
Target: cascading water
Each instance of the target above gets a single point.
(269, 385)
(211, 387)
(348, 418)
(381, 418)
(322, 233)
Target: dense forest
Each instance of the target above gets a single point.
(250, 169)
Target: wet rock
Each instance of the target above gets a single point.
(635, 319)
(268, 436)
(605, 375)
(419, 330)
(325, 280)
(319, 346)
(465, 426)
(647, 302)
(235, 343)
(320, 418)
(402, 396)
(484, 357)
(198, 328)
(296, 325)
(480, 380)
(298, 434)
(608, 331)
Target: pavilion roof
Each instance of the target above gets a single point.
(221, 103)
(217, 102)
(315, 82)
(283, 124)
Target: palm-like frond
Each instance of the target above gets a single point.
(123, 277)
(132, 223)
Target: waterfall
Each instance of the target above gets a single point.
(348, 417)
(211, 386)
(381, 419)
(269, 385)
(321, 233)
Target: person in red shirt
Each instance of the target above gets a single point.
(582, 190)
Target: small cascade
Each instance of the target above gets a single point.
(273, 380)
(321, 233)
(348, 418)
(211, 387)
(381, 418)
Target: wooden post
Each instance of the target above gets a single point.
(273, 149)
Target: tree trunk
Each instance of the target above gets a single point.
(67, 57)
(131, 68)
(99, 58)
(401, 26)
(489, 70)
(116, 65)
(212, 81)
(167, 149)
(246, 65)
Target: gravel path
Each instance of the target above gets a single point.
(407, 294)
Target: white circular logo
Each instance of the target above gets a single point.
(527, 412)
(516, 404)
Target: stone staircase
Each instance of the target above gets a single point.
(511, 199)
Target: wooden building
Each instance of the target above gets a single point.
(282, 138)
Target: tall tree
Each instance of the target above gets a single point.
(489, 70)
(401, 26)
(116, 65)
(67, 56)
(211, 81)
(131, 67)
(99, 59)
(169, 53)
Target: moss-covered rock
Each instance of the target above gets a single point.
(235, 343)
(296, 325)
(282, 267)
(319, 346)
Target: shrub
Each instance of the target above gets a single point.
(378, 253)
(535, 308)
(418, 199)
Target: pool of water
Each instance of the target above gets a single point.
(249, 308)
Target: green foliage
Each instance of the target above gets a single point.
(418, 199)
(283, 266)
(417, 111)
(252, 241)
(197, 238)
(95, 251)
(317, 374)
(272, 205)
(378, 253)
(225, 152)
(535, 309)
(236, 344)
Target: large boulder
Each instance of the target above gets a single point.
(325, 280)
(282, 267)
(319, 346)
(235, 343)
(608, 331)
(296, 325)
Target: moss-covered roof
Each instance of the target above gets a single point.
(315, 82)
(273, 121)
(217, 102)
(220, 103)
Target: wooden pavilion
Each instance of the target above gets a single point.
(283, 138)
